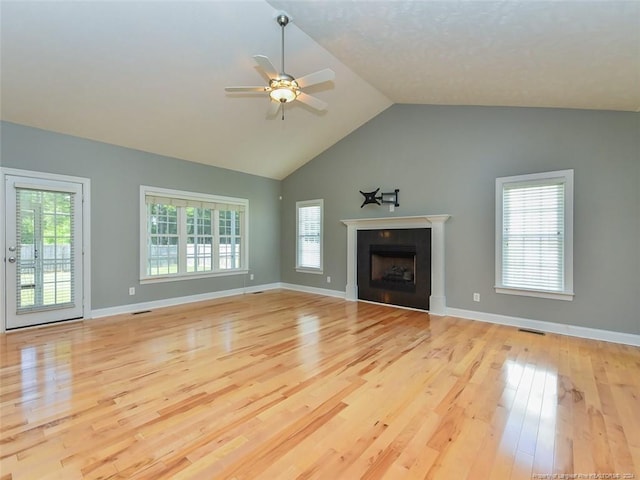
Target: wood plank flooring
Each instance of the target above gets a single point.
(286, 385)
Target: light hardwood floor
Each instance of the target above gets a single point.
(286, 385)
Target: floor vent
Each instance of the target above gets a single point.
(141, 311)
(256, 293)
(535, 332)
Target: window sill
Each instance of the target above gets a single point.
(568, 296)
(309, 270)
(190, 276)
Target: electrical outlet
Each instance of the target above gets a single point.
(132, 290)
(328, 279)
(476, 297)
(251, 276)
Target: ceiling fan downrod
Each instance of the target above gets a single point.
(283, 21)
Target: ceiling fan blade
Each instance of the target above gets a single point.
(274, 108)
(313, 102)
(318, 77)
(246, 89)
(266, 65)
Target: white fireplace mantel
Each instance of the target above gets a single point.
(437, 300)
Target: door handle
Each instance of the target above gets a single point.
(12, 259)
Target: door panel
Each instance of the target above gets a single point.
(44, 251)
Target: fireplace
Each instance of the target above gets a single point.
(394, 266)
(437, 300)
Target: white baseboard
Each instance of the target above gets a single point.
(319, 291)
(170, 302)
(549, 327)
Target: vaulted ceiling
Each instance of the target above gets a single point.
(151, 75)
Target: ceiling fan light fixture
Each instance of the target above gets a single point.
(283, 95)
(284, 89)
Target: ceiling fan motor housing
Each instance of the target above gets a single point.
(284, 88)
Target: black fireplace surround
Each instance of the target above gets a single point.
(394, 266)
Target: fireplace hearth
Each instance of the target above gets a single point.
(394, 266)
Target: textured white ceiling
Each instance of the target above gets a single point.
(573, 54)
(151, 75)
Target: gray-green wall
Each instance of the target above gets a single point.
(445, 160)
(116, 175)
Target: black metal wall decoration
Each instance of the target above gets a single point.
(384, 197)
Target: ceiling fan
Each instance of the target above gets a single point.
(284, 88)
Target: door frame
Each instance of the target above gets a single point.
(86, 235)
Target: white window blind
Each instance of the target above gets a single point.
(309, 235)
(46, 248)
(533, 244)
(533, 237)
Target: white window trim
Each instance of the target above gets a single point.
(567, 293)
(146, 190)
(309, 203)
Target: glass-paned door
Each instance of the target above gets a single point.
(44, 251)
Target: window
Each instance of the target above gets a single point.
(230, 238)
(309, 236)
(534, 235)
(184, 235)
